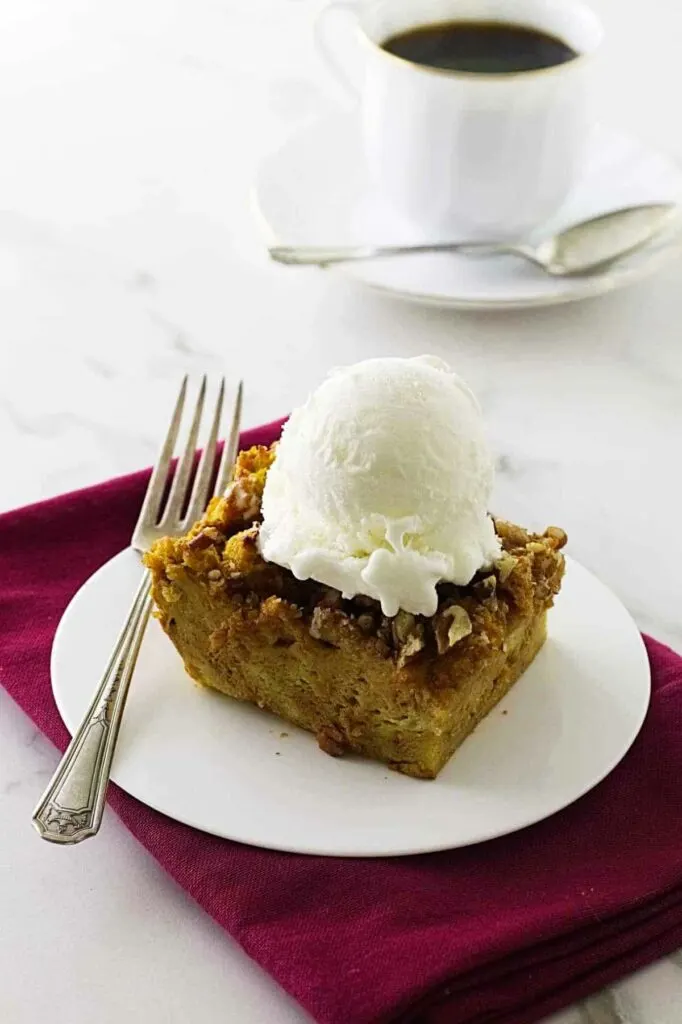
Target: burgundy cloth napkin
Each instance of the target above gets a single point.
(500, 933)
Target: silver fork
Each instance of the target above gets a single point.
(72, 806)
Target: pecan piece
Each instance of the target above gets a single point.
(402, 626)
(365, 623)
(331, 598)
(505, 565)
(384, 631)
(205, 538)
(485, 589)
(413, 644)
(243, 500)
(536, 547)
(451, 626)
(199, 541)
(322, 625)
(557, 536)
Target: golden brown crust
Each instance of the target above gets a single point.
(405, 690)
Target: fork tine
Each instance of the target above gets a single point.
(157, 482)
(178, 491)
(199, 496)
(229, 456)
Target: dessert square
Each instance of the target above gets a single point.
(403, 689)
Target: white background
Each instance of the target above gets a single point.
(129, 136)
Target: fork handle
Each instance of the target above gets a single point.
(71, 807)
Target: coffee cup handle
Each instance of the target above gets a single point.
(338, 42)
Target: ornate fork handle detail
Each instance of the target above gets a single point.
(72, 806)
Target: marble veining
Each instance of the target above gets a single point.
(131, 133)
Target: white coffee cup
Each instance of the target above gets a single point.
(463, 153)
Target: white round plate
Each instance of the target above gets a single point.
(238, 772)
(315, 191)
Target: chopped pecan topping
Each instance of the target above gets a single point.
(451, 626)
(536, 547)
(330, 598)
(510, 534)
(557, 536)
(205, 538)
(485, 589)
(241, 554)
(384, 631)
(402, 626)
(461, 624)
(366, 623)
(243, 500)
(322, 625)
(505, 565)
(413, 644)
(405, 634)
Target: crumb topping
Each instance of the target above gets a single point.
(221, 551)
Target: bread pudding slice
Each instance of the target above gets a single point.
(405, 690)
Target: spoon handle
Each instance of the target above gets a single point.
(320, 256)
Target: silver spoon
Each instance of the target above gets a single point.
(581, 249)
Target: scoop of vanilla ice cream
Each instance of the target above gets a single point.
(380, 485)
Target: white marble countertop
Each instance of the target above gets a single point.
(130, 132)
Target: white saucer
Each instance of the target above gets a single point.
(235, 771)
(315, 191)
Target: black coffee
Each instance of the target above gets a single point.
(483, 47)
